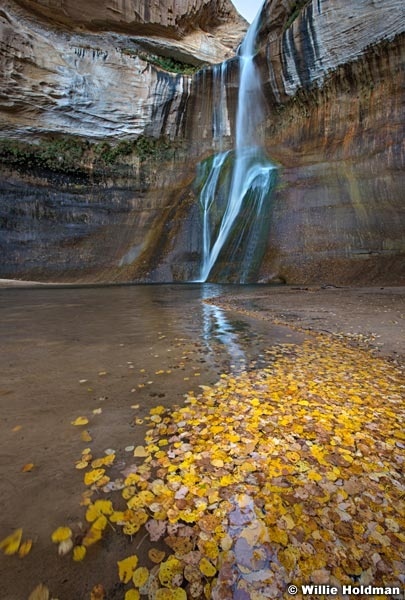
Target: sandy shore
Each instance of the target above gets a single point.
(371, 317)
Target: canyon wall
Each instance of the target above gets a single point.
(63, 79)
(107, 192)
(334, 79)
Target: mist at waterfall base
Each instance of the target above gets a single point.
(234, 187)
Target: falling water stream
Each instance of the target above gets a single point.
(235, 186)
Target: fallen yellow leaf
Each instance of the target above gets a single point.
(100, 507)
(132, 595)
(140, 576)
(140, 452)
(11, 543)
(41, 592)
(85, 436)
(92, 536)
(61, 534)
(25, 548)
(207, 568)
(27, 468)
(93, 476)
(79, 552)
(126, 568)
(80, 421)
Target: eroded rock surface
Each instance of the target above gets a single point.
(335, 86)
(59, 80)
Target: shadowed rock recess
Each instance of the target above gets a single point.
(106, 109)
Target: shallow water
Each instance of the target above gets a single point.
(134, 316)
(118, 351)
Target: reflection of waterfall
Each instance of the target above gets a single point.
(234, 194)
(216, 327)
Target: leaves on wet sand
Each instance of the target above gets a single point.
(291, 473)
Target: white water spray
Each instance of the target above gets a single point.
(251, 173)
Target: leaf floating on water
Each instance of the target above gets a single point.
(169, 572)
(41, 592)
(80, 421)
(11, 543)
(100, 523)
(104, 461)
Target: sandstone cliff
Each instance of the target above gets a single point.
(83, 209)
(57, 76)
(334, 80)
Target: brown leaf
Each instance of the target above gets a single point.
(98, 592)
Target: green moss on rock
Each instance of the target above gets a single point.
(62, 155)
(76, 156)
(295, 11)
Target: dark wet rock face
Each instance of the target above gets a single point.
(99, 224)
(105, 191)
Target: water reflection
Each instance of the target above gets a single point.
(148, 322)
(216, 327)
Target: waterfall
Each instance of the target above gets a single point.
(235, 186)
(220, 112)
